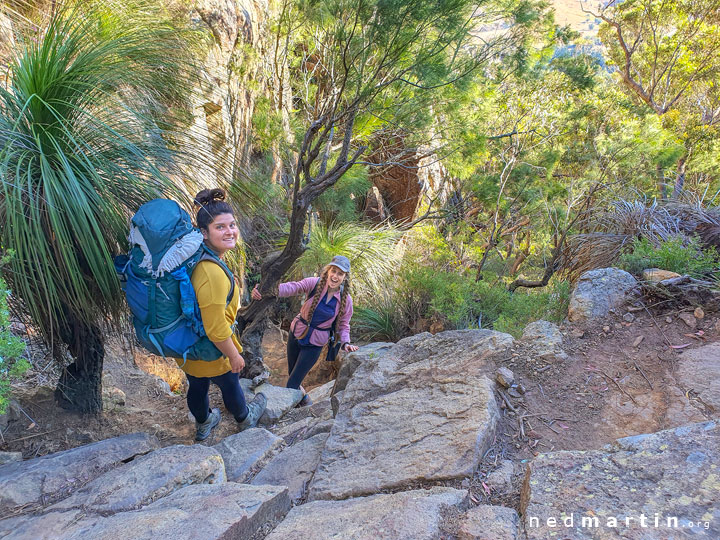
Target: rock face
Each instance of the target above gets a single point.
(489, 522)
(9, 457)
(199, 512)
(246, 452)
(415, 515)
(699, 370)
(147, 479)
(42, 481)
(294, 467)
(671, 476)
(422, 410)
(599, 291)
(352, 360)
(164, 494)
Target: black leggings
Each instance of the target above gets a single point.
(301, 359)
(232, 394)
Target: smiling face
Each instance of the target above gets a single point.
(222, 234)
(335, 277)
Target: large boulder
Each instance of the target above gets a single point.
(147, 479)
(699, 370)
(660, 485)
(43, 481)
(294, 467)
(246, 452)
(197, 512)
(599, 291)
(416, 515)
(423, 410)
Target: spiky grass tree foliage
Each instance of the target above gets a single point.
(373, 252)
(81, 147)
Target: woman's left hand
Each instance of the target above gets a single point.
(350, 348)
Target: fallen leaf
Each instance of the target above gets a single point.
(473, 499)
(31, 425)
(681, 346)
(563, 425)
(486, 488)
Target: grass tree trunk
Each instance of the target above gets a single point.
(80, 385)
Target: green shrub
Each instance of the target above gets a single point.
(675, 254)
(527, 305)
(12, 365)
(423, 292)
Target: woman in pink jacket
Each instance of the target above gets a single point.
(328, 298)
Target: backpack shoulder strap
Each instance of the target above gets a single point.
(208, 255)
(314, 290)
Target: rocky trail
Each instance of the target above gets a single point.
(604, 427)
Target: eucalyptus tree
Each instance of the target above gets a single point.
(667, 55)
(358, 67)
(92, 89)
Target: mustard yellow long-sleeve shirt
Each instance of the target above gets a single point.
(211, 288)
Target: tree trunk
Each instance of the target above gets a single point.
(252, 340)
(80, 385)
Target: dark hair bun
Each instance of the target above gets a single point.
(207, 196)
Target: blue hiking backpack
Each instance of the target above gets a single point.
(155, 275)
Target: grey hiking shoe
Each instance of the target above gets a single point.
(255, 409)
(202, 430)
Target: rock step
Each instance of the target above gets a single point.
(35, 483)
(422, 410)
(198, 512)
(147, 479)
(416, 515)
(246, 452)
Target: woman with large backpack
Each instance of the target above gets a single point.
(216, 221)
(328, 305)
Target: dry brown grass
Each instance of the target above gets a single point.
(608, 234)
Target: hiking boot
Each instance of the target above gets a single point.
(202, 430)
(255, 409)
(304, 402)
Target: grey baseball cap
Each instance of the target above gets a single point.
(343, 263)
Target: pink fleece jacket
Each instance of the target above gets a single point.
(319, 337)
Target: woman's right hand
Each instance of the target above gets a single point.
(255, 293)
(237, 363)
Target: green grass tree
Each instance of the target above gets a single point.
(84, 122)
